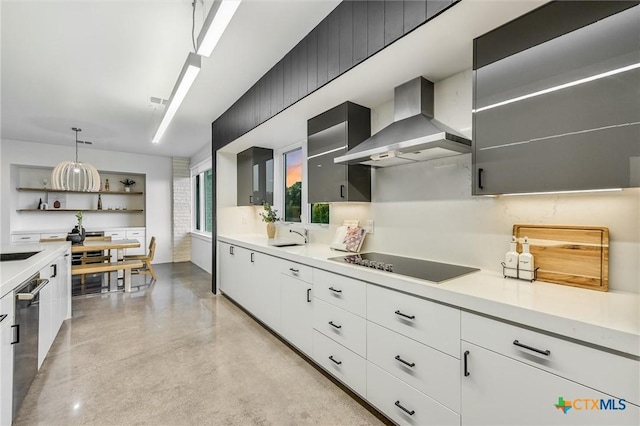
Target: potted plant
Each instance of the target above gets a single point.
(271, 217)
(128, 183)
(77, 234)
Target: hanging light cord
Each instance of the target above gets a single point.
(77, 130)
(193, 25)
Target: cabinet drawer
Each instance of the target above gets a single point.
(53, 235)
(115, 235)
(591, 367)
(345, 328)
(25, 238)
(347, 293)
(296, 270)
(392, 396)
(430, 323)
(346, 366)
(135, 234)
(430, 371)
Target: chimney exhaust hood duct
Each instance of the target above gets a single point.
(413, 136)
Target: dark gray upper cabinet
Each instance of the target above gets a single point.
(302, 61)
(277, 88)
(562, 113)
(393, 20)
(331, 134)
(255, 177)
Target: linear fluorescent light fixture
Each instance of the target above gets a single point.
(214, 25)
(560, 87)
(187, 76)
(580, 191)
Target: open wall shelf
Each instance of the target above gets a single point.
(78, 192)
(83, 210)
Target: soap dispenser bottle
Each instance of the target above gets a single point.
(525, 262)
(511, 260)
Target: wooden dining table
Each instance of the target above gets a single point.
(118, 245)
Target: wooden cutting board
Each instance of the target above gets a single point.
(577, 256)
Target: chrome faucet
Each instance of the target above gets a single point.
(304, 234)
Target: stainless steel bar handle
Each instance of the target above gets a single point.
(32, 295)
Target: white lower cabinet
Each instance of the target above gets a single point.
(423, 363)
(347, 366)
(432, 372)
(347, 329)
(296, 319)
(54, 308)
(6, 359)
(498, 390)
(140, 235)
(404, 404)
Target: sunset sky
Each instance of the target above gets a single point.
(293, 167)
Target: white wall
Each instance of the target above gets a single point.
(157, 186)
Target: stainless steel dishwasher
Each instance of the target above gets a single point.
(25, 341)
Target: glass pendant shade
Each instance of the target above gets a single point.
(75, 175)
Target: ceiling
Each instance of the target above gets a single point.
(95, 64)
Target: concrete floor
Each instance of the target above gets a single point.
(172, 353)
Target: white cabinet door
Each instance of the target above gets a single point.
(296, 320)
(229, 270)
(64, 285)
(140, 235)
(6, 359)
(45, 326)
(264, 288)
(498, 390)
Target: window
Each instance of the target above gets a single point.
(293, 186)
(292, 198)
(202, 177)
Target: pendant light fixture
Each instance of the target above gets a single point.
(75, 175)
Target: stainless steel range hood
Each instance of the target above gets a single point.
(413, 136)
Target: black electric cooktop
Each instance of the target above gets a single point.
(416, 268)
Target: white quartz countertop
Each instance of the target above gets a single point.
(13, 273)
(607, 319)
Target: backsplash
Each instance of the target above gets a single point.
(426, 210)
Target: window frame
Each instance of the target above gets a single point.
(279, 183)
(198, 208)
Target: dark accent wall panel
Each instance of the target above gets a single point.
(287, 76)
(312, 61)
(354, 31)
(333, 45)
(302, 69)
(415, 13)
(323, 50)
(346, 35)
(359, 31)
(375, 26)
(393, 21)
(277, 88)
(436, 6)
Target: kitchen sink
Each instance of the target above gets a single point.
(284, 243)
(5, 257)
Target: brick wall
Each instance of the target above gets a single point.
(181, 244)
